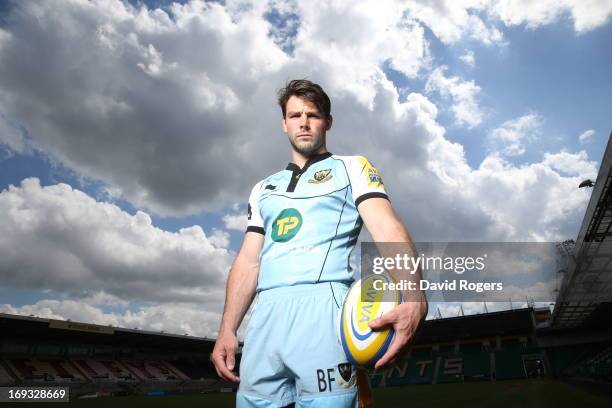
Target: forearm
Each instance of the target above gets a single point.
(239, 293)
(393, 240)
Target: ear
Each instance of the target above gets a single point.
(330, 120)
(284, 125)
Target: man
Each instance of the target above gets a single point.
(303, 224)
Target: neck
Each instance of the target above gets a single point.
(301, 160)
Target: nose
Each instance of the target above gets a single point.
(304, 121)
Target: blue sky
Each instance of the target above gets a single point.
(549, 70)
(168, 115)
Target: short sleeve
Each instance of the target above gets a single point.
(365, 179)
(254, 220)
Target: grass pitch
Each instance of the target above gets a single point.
(501, 394)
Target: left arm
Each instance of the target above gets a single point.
(384, 226)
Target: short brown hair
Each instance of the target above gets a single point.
(308, 90)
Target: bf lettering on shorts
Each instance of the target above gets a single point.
(325, 379)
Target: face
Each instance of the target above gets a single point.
(305, 126)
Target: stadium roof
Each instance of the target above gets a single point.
(67, 332)
(502, 323)
(587, 287)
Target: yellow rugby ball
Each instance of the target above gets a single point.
(362, 304)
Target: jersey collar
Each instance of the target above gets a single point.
(311, 160)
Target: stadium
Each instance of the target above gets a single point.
(164, 163)
(529, 356)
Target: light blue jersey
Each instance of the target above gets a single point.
(310, 220)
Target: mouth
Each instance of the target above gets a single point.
(304, 135)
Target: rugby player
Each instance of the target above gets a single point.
(303, 223)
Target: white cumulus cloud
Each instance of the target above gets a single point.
(60, 239)
(468, 58)
(453, 20)
(586, 14)
(235, 221)
(144, 100)
(573, 164)
(512, 136)
(464, 96)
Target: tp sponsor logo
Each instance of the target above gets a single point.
(286, 225)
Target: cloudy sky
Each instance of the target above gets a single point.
(132, 132)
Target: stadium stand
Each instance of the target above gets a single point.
(467, 348)
(99, 360)
(585, 295)
(6, 378)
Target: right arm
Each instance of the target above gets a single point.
(240, 291)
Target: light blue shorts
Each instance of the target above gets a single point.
(291, 351)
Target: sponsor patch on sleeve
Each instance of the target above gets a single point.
(370, 173)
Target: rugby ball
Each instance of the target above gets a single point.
(362, 304)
